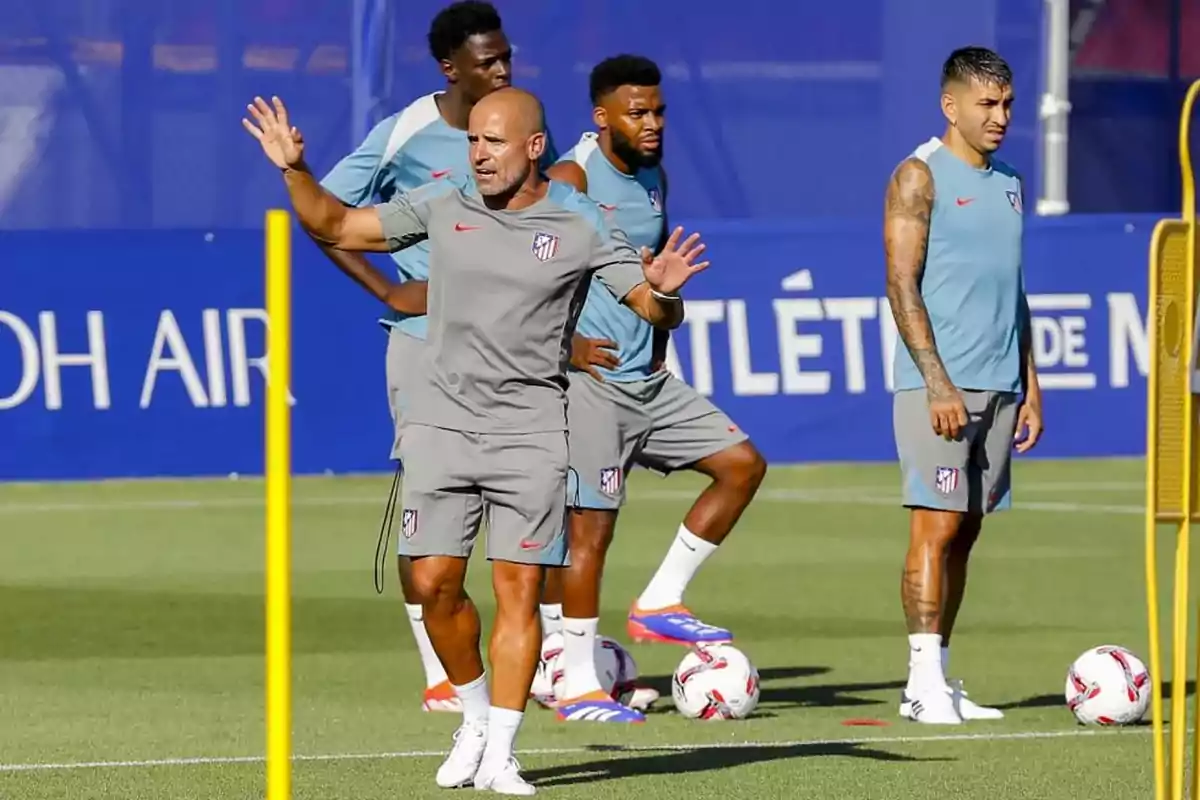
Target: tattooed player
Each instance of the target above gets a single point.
(965, 380)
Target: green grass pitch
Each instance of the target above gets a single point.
(131, 646)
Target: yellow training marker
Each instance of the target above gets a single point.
(1172, 457)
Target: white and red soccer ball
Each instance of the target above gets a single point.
(615, 668)
(1108, 685)
(715, 682)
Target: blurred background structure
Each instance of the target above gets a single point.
(123, 113)
(128, 189)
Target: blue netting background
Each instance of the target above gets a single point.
(124, 113)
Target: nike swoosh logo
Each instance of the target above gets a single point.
(458, 226)
(962, 201)
(575, 633)
(440, 173)
(554, 616)
(688, 546)
(606, 208)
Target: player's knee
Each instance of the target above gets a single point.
(934, 528)
(518, 588)
(743, 467)
(590, 534)
(437, 582)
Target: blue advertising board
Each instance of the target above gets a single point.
(142, 353)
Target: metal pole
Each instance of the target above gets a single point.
(1055, 109)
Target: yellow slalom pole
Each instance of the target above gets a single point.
(279, 530)
(1152, 600)
(1179, 668)
(1173, 464)
(1189, 359)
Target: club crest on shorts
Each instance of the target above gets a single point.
(545, 245)
(610, 480)
(408, 523)
(946, 479)
(655, 199)
(1014, 198)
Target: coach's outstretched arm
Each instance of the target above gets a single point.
(648, 284)
(386, 228)
(909, 206)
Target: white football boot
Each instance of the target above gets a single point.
(932, 706)
(462, 764)
(967, 708)
(503, 779)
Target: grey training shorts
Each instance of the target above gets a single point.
(660, 423)
(452, 479)
(403, 358)
(969, 474)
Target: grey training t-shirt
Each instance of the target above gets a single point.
(505, 289)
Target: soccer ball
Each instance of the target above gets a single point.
(1108, 685)
(548, 670)
(615, 668)
(715, 682)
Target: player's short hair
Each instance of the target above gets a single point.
(458, 22)
(622, 70)
(976, 63)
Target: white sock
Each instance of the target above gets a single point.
(925, 663)
(945, 661)
(685, 556)
(502, 726)
(434, 672)
(552, 618)
(579, 657)
(475, 701)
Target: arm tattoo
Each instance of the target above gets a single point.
(920, 614)
(909, 206)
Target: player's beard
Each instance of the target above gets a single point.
(627, 151)
(507, 183)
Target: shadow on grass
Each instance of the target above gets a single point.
(687, 761)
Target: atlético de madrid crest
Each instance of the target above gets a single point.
(545, 245)
(1015, 199)
(655, 199)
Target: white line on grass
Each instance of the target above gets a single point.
(875, 496)
(600, 749)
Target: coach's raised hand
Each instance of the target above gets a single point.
(675, 264)
(282, 143)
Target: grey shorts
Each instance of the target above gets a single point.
(453, 479)
(403, 355)
(660, 423)
(970, 474)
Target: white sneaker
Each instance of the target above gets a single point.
(642, 698)
(503, 779)
(968, 708)
(460, 766)
(936, 707)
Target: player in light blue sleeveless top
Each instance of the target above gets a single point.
(633, 203)
(966, 384)
(623, 409)
(425, 141)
